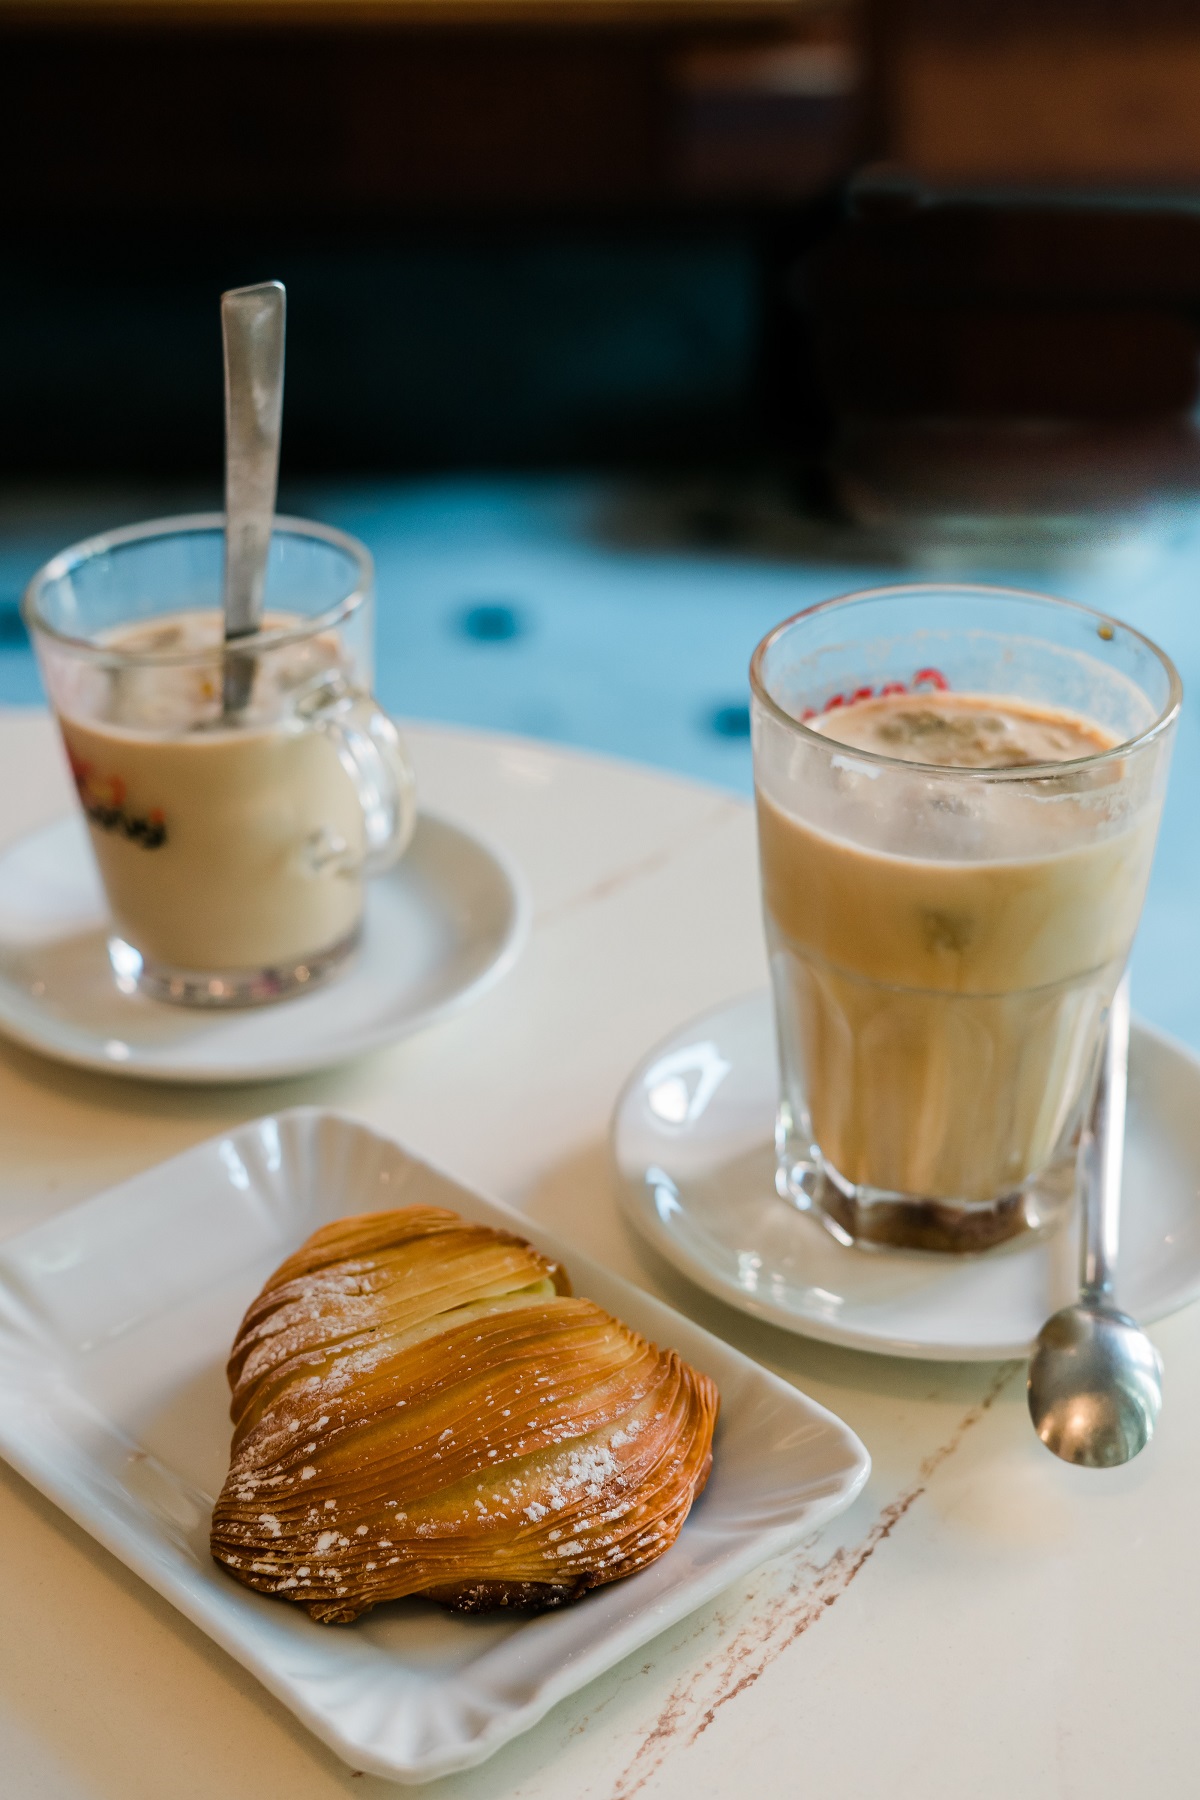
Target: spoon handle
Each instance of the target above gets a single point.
(252, 324)
(1104, 1155)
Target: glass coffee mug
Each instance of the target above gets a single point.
(946, 936)
(233, 844)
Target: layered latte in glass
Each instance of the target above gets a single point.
(958, 795)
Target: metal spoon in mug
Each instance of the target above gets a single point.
(1095, 1381)
(252, 325)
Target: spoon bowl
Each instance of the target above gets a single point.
(1095, 1381)
(1095, 1386)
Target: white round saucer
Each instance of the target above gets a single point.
(693, 1138)
(440, 927)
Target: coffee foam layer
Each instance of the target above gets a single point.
(965, 731)
(173, 682)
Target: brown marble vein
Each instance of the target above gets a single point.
(761, 1639)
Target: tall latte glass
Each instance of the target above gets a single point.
(958, 793)
(232, 839)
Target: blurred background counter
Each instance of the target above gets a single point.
(529, 232)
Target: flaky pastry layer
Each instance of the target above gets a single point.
(421, 1406)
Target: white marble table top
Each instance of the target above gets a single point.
(983, 1623)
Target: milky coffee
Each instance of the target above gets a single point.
(223, 845)
(942, 1009)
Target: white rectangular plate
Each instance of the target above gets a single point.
(115, 1322)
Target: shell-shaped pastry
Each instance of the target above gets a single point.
(420, 1406)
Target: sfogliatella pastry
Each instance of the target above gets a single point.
(420, 1406)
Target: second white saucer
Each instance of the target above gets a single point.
(693, 1138)
(440, 927)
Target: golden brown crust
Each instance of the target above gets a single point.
(421, 1406)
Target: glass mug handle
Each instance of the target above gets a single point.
(372, 753)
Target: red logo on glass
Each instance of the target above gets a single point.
(925, 679)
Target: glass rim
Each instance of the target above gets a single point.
(1022, 772)
(63, 562)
